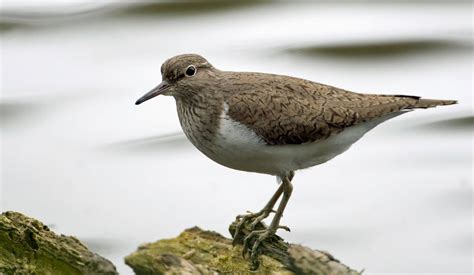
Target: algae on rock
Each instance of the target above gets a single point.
(196, 251)
(27, 246)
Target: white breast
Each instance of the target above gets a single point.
(238, 147)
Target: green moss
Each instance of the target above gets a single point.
(205, 250)
(27, 246)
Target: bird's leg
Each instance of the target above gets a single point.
(269, 207)
(261, 235)
(259, 216)
(262, 214)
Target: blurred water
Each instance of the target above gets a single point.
(78, 154)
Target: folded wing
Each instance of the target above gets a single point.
(299, 111)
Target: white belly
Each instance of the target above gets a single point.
(240, 148)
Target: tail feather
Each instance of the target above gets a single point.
(418, 102)
(428, 103)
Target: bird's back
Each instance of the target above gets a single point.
(287, 110)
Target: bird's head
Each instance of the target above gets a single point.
(181, 75)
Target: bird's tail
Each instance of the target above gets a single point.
(428, 103)
(418, 102)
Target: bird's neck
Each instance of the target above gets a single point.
(199, 118)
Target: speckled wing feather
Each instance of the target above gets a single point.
(285, 110)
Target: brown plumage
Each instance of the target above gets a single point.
(288, 110)
(280, 109)
(271, 124)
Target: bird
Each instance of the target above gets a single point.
(271, 124)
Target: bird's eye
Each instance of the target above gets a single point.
(190, 70)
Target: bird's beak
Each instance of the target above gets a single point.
(158, 90)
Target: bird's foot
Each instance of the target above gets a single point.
(254, 218)
(258, 219)
(258, 237)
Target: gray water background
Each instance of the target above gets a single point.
(78, 155)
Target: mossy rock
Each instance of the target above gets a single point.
(196, 251)
(27, 246)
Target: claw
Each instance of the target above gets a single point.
(247, 240)
(284, 227)
(242, 220)
(257, 220)
(254, 253)
(238, 228)
(259, 236)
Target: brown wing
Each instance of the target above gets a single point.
(284, 110)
